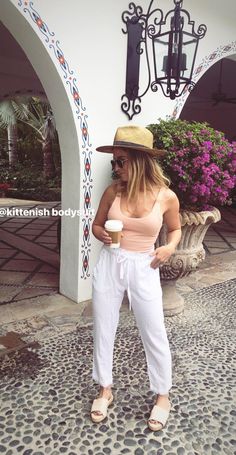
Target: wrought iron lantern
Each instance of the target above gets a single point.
(169, 45)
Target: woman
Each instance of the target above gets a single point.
(141, 199)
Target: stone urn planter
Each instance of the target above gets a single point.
(188, 255)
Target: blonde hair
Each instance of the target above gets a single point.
(144, 173)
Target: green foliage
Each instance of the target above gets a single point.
(170, 133)
(27, 182)
(3, 144)
(28, 146)
(36, 130)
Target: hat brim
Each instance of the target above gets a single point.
(111, 148)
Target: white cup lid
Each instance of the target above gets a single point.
(114, 225)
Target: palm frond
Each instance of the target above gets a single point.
(7, 114)
(31, 111)
(20, 109)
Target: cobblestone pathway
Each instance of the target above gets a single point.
(46, 393)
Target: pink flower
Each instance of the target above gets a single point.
(207, 144)
(201, 163)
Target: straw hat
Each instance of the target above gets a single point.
(133, 138)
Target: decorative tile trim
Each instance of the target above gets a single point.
(26, 7)
(207, 61)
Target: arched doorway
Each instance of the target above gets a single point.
(58, 87)
(213, 99)
(207, 79)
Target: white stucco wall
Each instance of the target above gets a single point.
(95, 48)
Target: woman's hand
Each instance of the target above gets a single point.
(102, 235)
(162, 254)
(105, 238)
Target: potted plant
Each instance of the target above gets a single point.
(201, 165)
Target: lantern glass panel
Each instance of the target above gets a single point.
(189, 47)
(160, 53)
(186, 56)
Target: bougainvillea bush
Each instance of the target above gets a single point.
(200, 162)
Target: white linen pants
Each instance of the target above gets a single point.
(118, 270)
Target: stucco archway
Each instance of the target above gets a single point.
(74, 272)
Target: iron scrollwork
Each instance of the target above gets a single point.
(141, 29)
(135, 26)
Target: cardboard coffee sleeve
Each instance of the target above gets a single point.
(114, 229)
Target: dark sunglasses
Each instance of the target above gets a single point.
(120, 162)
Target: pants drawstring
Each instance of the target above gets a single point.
(124, 264)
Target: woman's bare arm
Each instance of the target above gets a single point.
(172, 221)
(101, 215)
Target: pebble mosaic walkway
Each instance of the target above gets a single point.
(46, 393)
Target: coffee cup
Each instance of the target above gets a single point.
(114, 229)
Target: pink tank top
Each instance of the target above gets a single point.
(139, 234)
